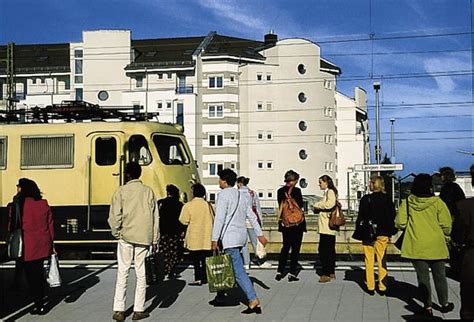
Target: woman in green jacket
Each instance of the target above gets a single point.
(427, 223)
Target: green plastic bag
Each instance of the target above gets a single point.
(220, 272)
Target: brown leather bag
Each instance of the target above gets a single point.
(290, 213)
(336, 218)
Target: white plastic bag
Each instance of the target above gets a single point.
(53, 279)
(260, 252)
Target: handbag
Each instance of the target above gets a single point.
(399, 242)
(260, 252)
(336, 217)
(365, 231)
(220, 272)
(154, 268)
(15, 238)
(53, 279)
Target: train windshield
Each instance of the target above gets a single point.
(171, 149)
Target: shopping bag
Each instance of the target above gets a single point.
(220, 272)
(53, 279)
(15, 244)
(154, 268)
(260, 252)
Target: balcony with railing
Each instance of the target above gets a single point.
(187, 89)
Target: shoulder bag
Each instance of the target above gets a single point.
(15, 238)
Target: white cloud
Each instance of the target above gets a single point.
(447, 64)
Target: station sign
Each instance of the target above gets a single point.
(379, 167)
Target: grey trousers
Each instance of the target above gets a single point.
(438, 269)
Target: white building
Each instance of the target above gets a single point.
(352, 146)
(259, 107)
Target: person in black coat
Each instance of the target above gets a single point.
(171, 230)
(463, 234)
(451, 193)
(292, 236)
(375, 225)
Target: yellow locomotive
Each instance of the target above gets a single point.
(78, 163)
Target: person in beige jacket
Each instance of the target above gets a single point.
(133, 219)
(198, 215)
(327, 237)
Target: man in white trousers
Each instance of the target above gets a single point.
(133, 218)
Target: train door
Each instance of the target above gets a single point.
(106, 175)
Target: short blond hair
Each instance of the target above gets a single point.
(379, 183)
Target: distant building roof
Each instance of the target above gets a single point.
(36, 59)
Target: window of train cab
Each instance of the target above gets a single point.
(171, 150)
(138, 150)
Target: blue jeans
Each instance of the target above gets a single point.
(240, 275)
(245, 249)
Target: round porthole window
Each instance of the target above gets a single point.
(103, 95)
(303, 183)
(302, 97)
(303, 154)
(302, 126)
(301, 69)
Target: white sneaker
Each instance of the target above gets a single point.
(265, 265)
(247, 266)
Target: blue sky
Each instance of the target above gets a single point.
(421, 53)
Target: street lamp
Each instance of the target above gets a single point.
(392, 140)
(378, 151)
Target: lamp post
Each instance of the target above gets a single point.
(392, 140)
(378, 151)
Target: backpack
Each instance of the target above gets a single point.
(290, 213)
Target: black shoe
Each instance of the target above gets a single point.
(371, 292)
(249, 310)
(382, 293)
(278, 276)
(292, 278)
(447, 308)
(217, 303)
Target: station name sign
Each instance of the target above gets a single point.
(379, 167)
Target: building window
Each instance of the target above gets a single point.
(215, 82)
(328, 138)
(168, 104)
(259, 106)
(170, 75)
(269, 165)
(269, 106)
(302, 126)
(232, 78)
(269, 135)
(233, 136)
(259, 77)
(303, 183)
(78, 53)
(67, 83)
(269, 77)
(302, 97)
(159, 105)
(103, 95)
(328, 166)
(270, 194)
(160, 75)
(216, 111)
(260, 135)
(302, 154)
(33, 81)
(327, 84)
(79, 94)
(260, 164)
(180, 114)
(260, 194)
(328, 111)
(78, 79)
(301, 69)
(139, 80)
(216, 140)
(232, 165)
(215, 167)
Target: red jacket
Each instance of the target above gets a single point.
(38, 229)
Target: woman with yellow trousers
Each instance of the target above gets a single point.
(374, 227)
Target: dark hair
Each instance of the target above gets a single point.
(29, 189)
(329, 181)
(422, 185)
(228, 176)
(133, 169)
(172, 191)
(198, 190)
(448, 174)
(291, 175)
(245, 181)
